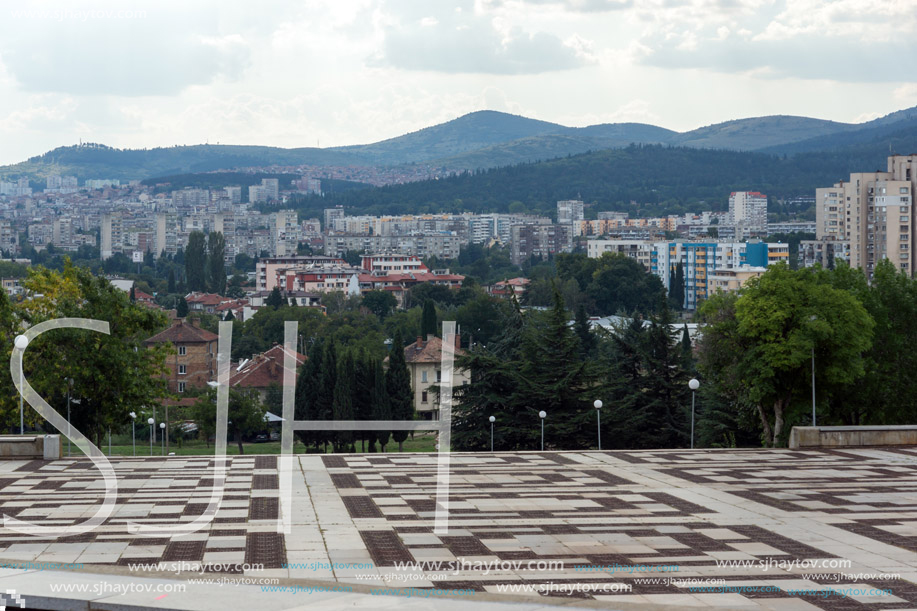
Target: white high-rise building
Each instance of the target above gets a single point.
(748, 213)
(569, 211)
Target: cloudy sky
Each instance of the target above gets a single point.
(335, 72)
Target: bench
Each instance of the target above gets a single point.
(30, 447)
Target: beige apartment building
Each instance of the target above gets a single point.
(873, 211)
(731, 280)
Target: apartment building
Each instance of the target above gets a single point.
(731, 280)
(641, 250)
(539, 241)
(569, 211)
(194, 361)
(266, 269)
(748, 213)
(873, 212)
(424, 359)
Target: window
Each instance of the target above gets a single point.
(182, 370)
(423, 397)
(439, 375)
(423, 376)
(181, 387)
(904, 218)
(902, 190)
(182, 350)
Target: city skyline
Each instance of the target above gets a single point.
(331, 74)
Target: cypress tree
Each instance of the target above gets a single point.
(342, 403)
(324, 394)
(171, 288)
(428, 319)
(381, 409)
(587, 341)
(216, 265)
(306, 390)
(398, 387)
(181, 309)
(195, 262)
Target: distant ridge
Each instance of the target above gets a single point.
(479, 140)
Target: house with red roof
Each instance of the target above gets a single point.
(424, 361)
(263, 370)
(194, 361)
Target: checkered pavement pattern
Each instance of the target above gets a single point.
(694, 510)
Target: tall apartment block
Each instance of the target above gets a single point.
(569, 211)
(748, 213)
(873, 211)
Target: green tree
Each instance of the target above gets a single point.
(342, 402)
(381, 408)
(275, 299)
(171, 282)
(216, 265)
(196, 262)
(583, 330)
(181, 308)
(246, 414)
(307, 382)
(428, 319)
(380, 303)
(677, 288)
(781, 317)
(398, 388)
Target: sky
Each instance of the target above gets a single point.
(141, 74)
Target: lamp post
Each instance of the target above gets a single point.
(492, 420)
(21, 342)
(69, 388)
(813, 318)
(693, 385)
(133, 434)
(162, 439)
(150, 421)
(598, 419)
(542, 415)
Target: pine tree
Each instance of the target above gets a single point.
(275, 299)
(362, 394)
(428, 319)
(398, 387)
(554, 379)
(324, 394)
(587, 341)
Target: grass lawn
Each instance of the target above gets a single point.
(422, 442)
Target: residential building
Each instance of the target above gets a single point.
(748, 213)
(424, 361)
(266, 269)
(873, 211)
(822, 252)
(731, 280)
(263, 370)
(539, 241)
(194, 362)
(569, 211)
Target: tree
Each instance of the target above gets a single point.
(621, 284)
(275, 299)
(381, 408)
(677, 288)
(171, 282)
(380, 303)
(780, 318)
(246, 414)
(428, 319)
(307, 382)
(323, 403)
(342, 403)
(112, 373)
(216, 265)
(133, 296)
(398, 388)
(181, 308)
(581, 327)
(195, 262)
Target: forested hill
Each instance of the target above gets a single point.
(661, 179)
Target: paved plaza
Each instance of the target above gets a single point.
(762, 529)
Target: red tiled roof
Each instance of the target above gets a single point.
(183, 332)
(204, 298)
(264, 369)
(429, 351)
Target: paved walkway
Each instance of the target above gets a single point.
(759, 529)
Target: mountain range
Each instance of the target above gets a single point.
(488, 139)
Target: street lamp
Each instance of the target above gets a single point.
(542, 415)
(69, 387)
(21, 342)
(492, 420)
(813, 318)
(133, 434)
(693, 385)
(598, 419)
(150, 421)
(162, 439)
